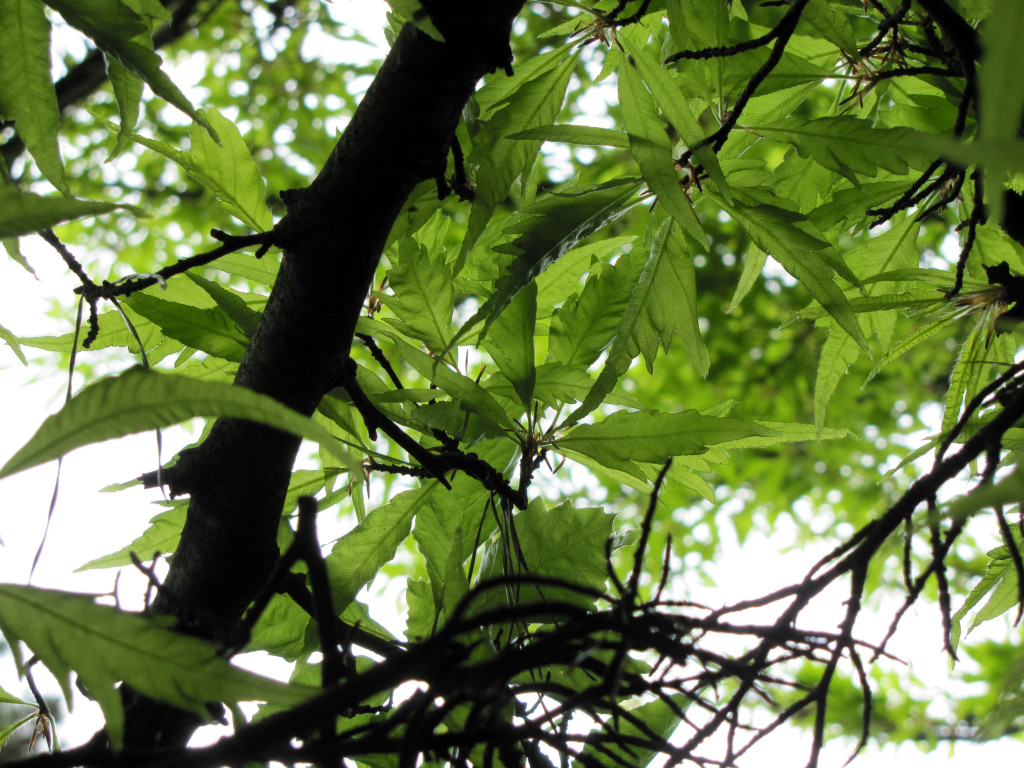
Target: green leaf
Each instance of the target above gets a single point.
(105, 646)
(1000, 90)
(575, 134)
(229, 171)
(226, 169)
(414, 12)
(358, 555)
(424, 296)
(563, 542)
(850, 146)
(9, 698)
(800, 252)
(670, 99)
(533, 100)
(7, 730)
(837, 355)
(550, 228)
(120, 31)
(139, 400)
(652, 150)
(22, 213)
(208, 330)
(161, 537)
(14, 343)
(832, 25)
(655, 437)
(658, 717)
(582, 328)
(670, 303)
(27, 95)
(753, 264)
(128, 94)
(511, 342)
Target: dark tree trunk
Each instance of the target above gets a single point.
(332, 239)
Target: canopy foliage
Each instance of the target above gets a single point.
(557, 321)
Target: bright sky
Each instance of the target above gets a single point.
(87, 524)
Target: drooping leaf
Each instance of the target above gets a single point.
(22, 213)
(582, 328)
(800, 252)
(670, 304)
(27, 95)
(208, 330)
(161, 537)
(655, 437)
(1001, 91)
(359, 554)
(837, 355)
(128, 94)
(119, 31)
(236, 179)
(563, 542)
(511, 342)
(139, 400)
(671, 101)
(753, 264)
(105, 646)
(652, 150)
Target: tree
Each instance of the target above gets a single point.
(448, 322)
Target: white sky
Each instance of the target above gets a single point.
(88, 524)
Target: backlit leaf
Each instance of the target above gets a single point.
(105, 646)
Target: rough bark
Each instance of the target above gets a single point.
(332, 237)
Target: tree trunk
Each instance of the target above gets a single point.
(332, 238)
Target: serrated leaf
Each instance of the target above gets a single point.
(564, 542)
(510, 342)
(359, 554)
(161, 537)
(499, 160)
(670, 99)
(669, 307)
(832, 25)
(851, 146)
(567, 133)
(139, 400)
(14, 343)
(22, 213)
(778, 232)
(659, 717)
(550, 228)
(471, 396)
(655, 437)
(227, 162)
(837, 355)
(27, 95)
(414, 12)
(105, 646)
(1000, 90)
(228, 171)
(120, 31)
(128, 95)
(753, 264)
(424, 297)
(582, 328)
(652, 150)
(209, 330)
